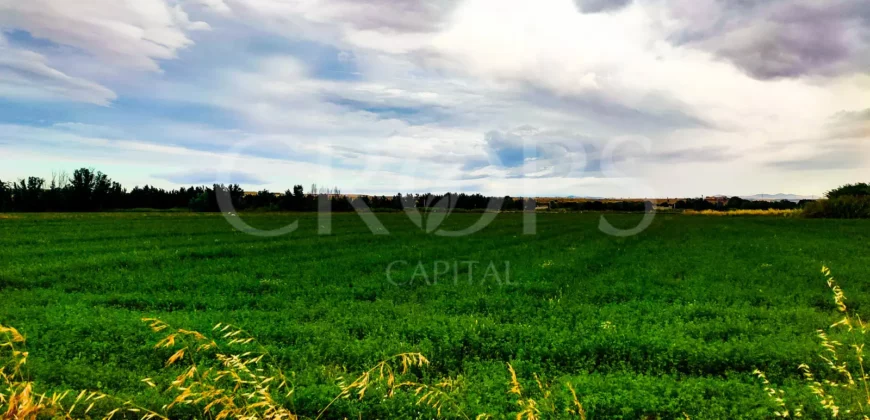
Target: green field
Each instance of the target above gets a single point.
(670, 321)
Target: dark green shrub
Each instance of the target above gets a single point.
(843, 207)
(861, 189)
(200, 202)
(5, 196)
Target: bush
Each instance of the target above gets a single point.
(620, 206)
(861, 189)
(200, 202)
(842, 207)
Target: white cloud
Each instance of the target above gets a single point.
(26, 74)
(395, 16)
(421, 83)
(218, 6)
(623, 58)
(121, 33)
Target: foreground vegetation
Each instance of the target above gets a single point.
(668, 323)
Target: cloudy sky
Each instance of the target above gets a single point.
(558, 97)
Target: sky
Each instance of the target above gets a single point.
(605, 98)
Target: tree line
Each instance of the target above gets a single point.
(850, 201)
(737, 203)
(733, 203)
(91, 190)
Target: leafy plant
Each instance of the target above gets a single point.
(841, 207)
(850, 190)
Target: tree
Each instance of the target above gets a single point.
(80, 186)
(54, 198)
(100, 192)
(234, 192)
(263, 199)
(88, 189)
(508, 203)
(115, 196)
(201, 201)
(293, 200)
(735, 203)
(5, 196)
(850, 190)
(26, 195)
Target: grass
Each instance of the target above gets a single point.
(668, 323)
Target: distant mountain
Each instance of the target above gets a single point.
(777, 197)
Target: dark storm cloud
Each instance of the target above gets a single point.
(598, 6)
(784, 38)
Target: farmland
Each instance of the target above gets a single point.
(667, 323)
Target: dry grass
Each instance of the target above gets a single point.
(770, 212)
(838, 390)
(243, 386)
(386, 378)
(240, 387)
(842, 389)
(245, 383)
(19, 401)
(232, 376)
(778, 398)
(540, 401)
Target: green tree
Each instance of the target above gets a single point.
(26, 194)
(850, 190)
(201, 201)
(88, 189)
(5, 196)
(735, 203)
(115, 197)
(263, 199)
